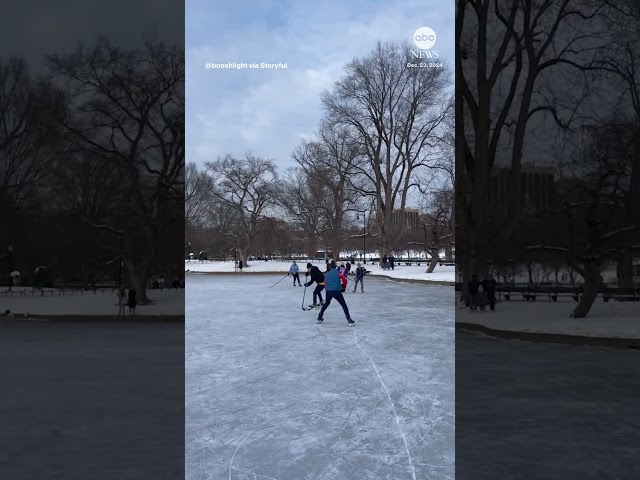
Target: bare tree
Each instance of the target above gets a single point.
(509, 54)
(128, 109)
(333, 160)
(395, 115)
(594, 227)
(198, 186)
(304, 200)
(31, 139)
(248, 188)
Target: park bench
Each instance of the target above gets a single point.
(621, 294)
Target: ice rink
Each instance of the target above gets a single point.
(272, 395)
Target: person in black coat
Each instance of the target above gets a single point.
(489, 285)
(359, 278)
(132, 301)
(315, 276)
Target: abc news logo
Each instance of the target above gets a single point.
(425, 38)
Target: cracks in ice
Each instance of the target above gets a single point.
(393, 407)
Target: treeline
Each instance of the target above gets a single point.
(556, 84)
(92, 164)
(384, 144)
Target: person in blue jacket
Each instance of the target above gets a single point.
(295, 270)
(333, 284)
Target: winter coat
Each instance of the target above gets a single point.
(316, 276)
(359, 273)
(334, 280)
(294, 268)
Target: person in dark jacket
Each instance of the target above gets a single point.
(474, 286)
(315, 276)
(132, 301)
(385, 259)
(359, 278)
(392, 261)
(489, 285)
(334, 280)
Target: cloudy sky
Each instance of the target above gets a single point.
(270, 111)
(38, 27)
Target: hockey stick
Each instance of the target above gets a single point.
(279, 281)
(303, 294)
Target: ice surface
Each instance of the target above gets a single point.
(270, 394)
(536, 411)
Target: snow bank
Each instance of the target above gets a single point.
(607, 320)
(165, 302)
(413, 272)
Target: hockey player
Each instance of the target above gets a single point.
(318, 277)
(294, 270)
(334, 281)
(359, 278)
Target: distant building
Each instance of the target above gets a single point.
(410, 218)
(537, 188)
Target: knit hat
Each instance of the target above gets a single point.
(309, 265)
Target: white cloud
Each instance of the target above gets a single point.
(267, 111)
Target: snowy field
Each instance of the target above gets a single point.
(609, 320)
(271, 394)
(529, 410)
(413, 272)
(164, 302)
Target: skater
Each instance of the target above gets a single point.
(346, 274)
(294, 270)
(318, 277)
(384, 262)
(392, 261)
(359, 278)
(132, 301)
(343, 279)
(334, 281)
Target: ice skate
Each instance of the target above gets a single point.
(350, 322)
(320, 320)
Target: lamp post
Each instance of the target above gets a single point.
(364, 235)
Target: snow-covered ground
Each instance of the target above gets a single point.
(271, 394)
(440, 274)
(165, 302)
(609, 320)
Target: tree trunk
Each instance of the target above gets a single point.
(448, 254)
(138, 281)
(624, 270)
(592, 280)
(242, 256)
(434, 260)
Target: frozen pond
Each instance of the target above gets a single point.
(270, 394)
(534, 410)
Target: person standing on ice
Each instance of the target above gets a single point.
(359, 278)
(294, 270)
(318, 277)
(334, 280)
